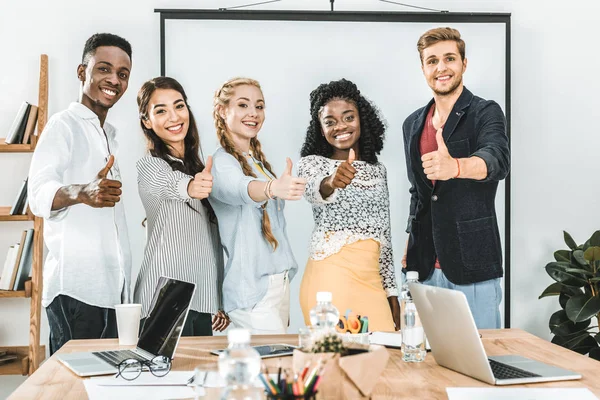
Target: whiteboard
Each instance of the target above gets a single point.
(292, 57)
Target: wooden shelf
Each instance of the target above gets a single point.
(14, 148)
(5, 216)
(20, 366)
(18, 293)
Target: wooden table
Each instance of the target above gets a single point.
(425, 380)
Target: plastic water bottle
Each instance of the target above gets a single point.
(324, 316)
(413, 335)
(411, 276)
(239, 366)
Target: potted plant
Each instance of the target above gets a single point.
(577, 275)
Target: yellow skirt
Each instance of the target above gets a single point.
(352, 276)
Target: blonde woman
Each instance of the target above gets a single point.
(248, 199)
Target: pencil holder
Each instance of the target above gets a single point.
(282, 396)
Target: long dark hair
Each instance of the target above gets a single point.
(192, 161)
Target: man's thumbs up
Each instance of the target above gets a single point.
(104, 171)
(439, 165)
(440, 141)
(288, 167)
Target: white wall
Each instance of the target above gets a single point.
(554, 100)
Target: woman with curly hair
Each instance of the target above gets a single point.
(351, 245)
(248, 199)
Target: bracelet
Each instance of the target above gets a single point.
(458, 165)
(268, 190)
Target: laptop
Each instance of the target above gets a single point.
(159, 335)
(456, 344)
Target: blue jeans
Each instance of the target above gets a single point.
(483, 298)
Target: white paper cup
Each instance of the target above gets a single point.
(128, 323)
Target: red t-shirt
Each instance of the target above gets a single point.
(428, 143)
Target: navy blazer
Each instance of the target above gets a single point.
(456, 219)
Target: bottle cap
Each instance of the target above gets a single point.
(238, 335)
(412, 275)
(324, 296)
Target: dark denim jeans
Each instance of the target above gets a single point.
(72, 319)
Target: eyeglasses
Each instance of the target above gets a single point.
(131, 368)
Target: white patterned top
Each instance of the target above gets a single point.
(358, 212)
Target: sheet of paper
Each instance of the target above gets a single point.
(98, 392)
(508, 393)
(173, 378)
(390, 339)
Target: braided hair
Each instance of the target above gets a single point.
(221, 100)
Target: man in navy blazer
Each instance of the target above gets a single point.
(456, 151)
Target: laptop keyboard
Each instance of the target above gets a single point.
(505, 371)
(116, 357)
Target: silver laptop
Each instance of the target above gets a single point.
(456, 344)
(159, 335)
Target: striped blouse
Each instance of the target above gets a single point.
(181, 241)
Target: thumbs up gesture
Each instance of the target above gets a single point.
(344, 173)
(439, 165)
(201, 185)
(288, 187)
(102, 192)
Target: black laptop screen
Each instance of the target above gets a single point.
(167, 315)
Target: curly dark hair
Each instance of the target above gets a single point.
(372, 124)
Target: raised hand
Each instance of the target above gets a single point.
(439, 165)
(102, 192)
(201, 185)
(288, 187)
(344, 173)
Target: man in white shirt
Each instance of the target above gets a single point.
(74, 184)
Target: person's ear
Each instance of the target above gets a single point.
(221, 112)
(147, 123)
(81, 72)
(464, 65)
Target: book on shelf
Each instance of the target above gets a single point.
(30, 126)
(25, 260)
(6, 358)
(17, 129)
(20, 200)
(9, 272)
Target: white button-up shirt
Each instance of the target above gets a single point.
(89, 258)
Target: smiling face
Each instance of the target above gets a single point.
(169, 117)
(245, 113)
(105, 78)
(443, 67)
(340, 124)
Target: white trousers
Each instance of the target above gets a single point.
(270, 316)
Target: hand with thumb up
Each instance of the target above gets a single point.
(102, 192)
(439, 165)
(288, 187)
(201, 185)
(344, 173)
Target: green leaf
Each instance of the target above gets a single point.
(569, 241)
(552, 290)
(562, 255)
(579, 271)
(595, 279)
(595, 239)
(566, 293)
(595, 353)
(557, 271)
(583, 345)
(561, 325)
(582, 307)
(592, 254)
(579, 258)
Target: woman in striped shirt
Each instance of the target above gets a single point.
(183, 236)
(249, 199)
